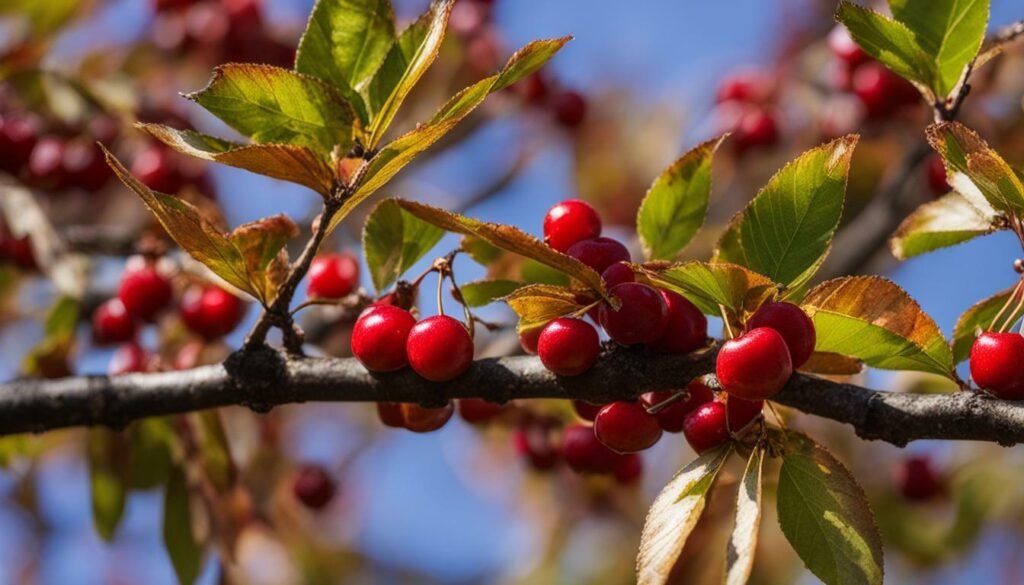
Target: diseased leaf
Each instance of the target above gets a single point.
(271, 105)
(538, 304)
(674, 207)
(826, 516)
(108, 475)
(739, 558)
(832, 364)
(873, 319)
(945, 222)
(709, 285)
(977, 169)
(484, 292)
(674, 514)
(394, 240)
(890, 42)
(787, 229)
(981, 317)
(397, 62)
(179, 536)
(262, 246)
(287, 162)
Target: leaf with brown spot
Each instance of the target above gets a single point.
(977, 168)
(832, 364)
(539, 304)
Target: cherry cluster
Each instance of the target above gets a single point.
(881, 92)
(746, 108)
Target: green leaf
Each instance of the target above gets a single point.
(417, 65)
(44, 18)
(674, 207)
(873, 319)
(729, 249)
(179, 537)
(287, 162)
(709, 285)
(787, 229)
(108, 473)
(739, 558)
(397, 62)
(49, 357)
(981, 317)
(945, 222)
(978, 172)
(271, 105)
(484, 292)
(150, 441)
(826, 516)
(674, 514)
(261, 244)
(890, 42)
(538, 304)
(213, 442)
(394, 240)
(534, 272)
(950, 31)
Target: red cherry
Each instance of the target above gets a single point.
(744, 86)
(795, 327)
(599, 253)
(705, 428)
(996, 360)
(535, 442)
(586, 410)
(642, 317)
(686, 327)
(483, 52)
(313, 486)
(390, 413)
(379, 338)
(584, 453)
(439, 348)
(626, 427)
(247, 13)
(333, 276)
(44, 164)
(144, 291)
(111, 323)
(881, 91)
(568, 347)
(84, 166)
(18, 251)
(18, 136)
(740, 412)
(156, 168)
(936, 173)
(570, 221)
(533, 89)
(425, 420)
(128, 359)
(210, 311)
(672, 417)
(476, 411)
(207, 23)
(617, 274)
(569, 108)
(529, 339)
(756, 128)
(845, 48)
(755, 365)
(629, 469)
(918, 479)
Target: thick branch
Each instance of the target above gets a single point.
(263, 378)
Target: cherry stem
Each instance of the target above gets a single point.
(675, 397)
(1009, 302)
(725, 321)
(580, 313)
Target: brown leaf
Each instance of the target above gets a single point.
(832, 364)
(262, 245)
(538, 304)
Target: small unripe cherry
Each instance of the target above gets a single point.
(586, 410)
(918, 479)
(755, 365)
(845, 48)
(686, 328)
(477, 411)
(705, 428)
(535, 441)
(380, 336)
(313, 487)
(626, 427)
(130, 358)
(529, 339)
(210, 311)
(568, 347)
(425, 420)
(570, 221)
(936, 174)
(439, 348)
(740, 412)
(584, 453)
(144, 291)
(569, 108)
(599, 253)
(996, 364)
(629, 469)
(641, 318)
(793, 324)
(333, 276)
(111, 323)
(617, 274)
(672, 417)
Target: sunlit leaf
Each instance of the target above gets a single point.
(739, 557)
(890, 42)
(397, 62)
(484, 292)
(832, 364)
(261, 244)
(538, 304)
(944, 222)
(709, 285)
(109, 466)
(977, 169)
(179, 536)
(394, 240)
(981, 317)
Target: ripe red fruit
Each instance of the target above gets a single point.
(642, 317)
(569, 108)
(599, 253)
(756, 128)
(535, 442)
(84, 166)
(128, 359)
(390, 414)
(795, 327)
(626, 427)
(144, 291)
(744, 86)
(629, 469)
(586, 410)
(937, 181)
(379, 338)
(475, 410)
(404, 415)
(617, 274)
(439, 348)
(568, 347)
(155, 167)
(996, 360)
(533, 89)
(740, 412)
(210, 311)
(672, 417)
(705, 428)
(44, 164)
(529, 339)
(918, 479)
(313, 486)
(570, 221)
(333, 276)
(111, 323)
(584, 453)
(881, 91)
(845, 48)
(18, 136)
(18, 251)
(686, 327)
(755, 365)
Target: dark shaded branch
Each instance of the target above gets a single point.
(263, 378)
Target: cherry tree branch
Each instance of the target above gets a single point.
(262, 378)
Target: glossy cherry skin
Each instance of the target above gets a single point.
(599, 253)
(570, 221)
(918, 479)
(705, 428)
(586, 410)
(936, 175)
(672, 417)
(477, 411)
(128, 359)
(439, 348)
(313, 487)
(568, 347)
(629, 469)
(210, 311)
(569, 108)
(380, 336)
(529, 339)
(585, 453)
(333, 276)
(845, 48)
(617, 274)
(997, 364)
(111, 323)
(740, 413)
(145, 291)
(626, 427)
(755, 365)
(535, 442)
(641, 318)
(686, 328)
(795, 327)
(413, 417)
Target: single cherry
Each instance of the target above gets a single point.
(756, 128)
(568, 346)
(845, 48)
(673, 416)
(84, 166)
(629, 469)
(529, 339)
(996, 364)
(391, 415)
(740, 412)
(584, 453)
(570, 221)
(425, 420)
(793, 324)
(881, 91)
(535, 441)
(918, 479)
(586, 410)
(128, 359)
(626, 427)
(44, 164)
(744, 86)
(755, 365)
(144, 291)
(333, 276)
(569, 108)
(18, 136)
(617, 274)
(477, 411)
(641, 318)
(313, 486)
(210, 311)
(439, 348)
(705, 428)
(686, 327)
(380, 336)
(111, 323)
(936, 174)
(599, 253)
